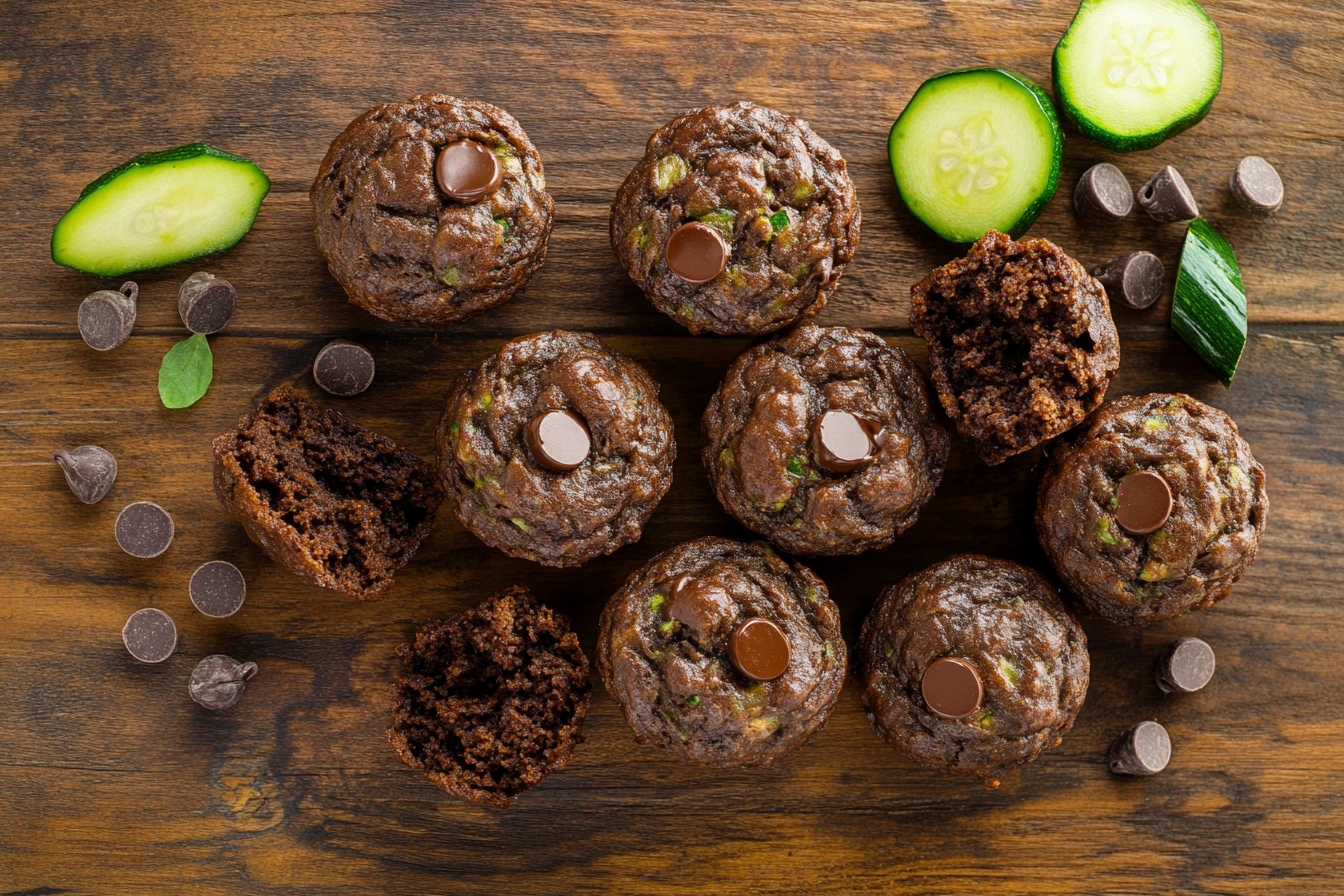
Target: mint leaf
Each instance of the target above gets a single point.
(186, 372)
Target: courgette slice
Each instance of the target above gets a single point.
(1209, 309)
(158, 209)
(1132, 73)
(976, 150)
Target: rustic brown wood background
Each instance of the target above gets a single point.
(112, 781)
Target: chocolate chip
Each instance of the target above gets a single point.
(1143, 502)
(89, 471)
(218, 681)
(1185, 666)
(1166, 197)
(150, 635)
(1134, 280)
(824, 272)
(144, 529)
(218, 589)
(703, 607)
(559, 440)
(1256, 186)
(1144, 749)
(759, 649)
(1103, 194)
(205, 302)
(951, 688)
(343, 368)
(107, 317)
(468, 171)
(696, 252)
(843, 442)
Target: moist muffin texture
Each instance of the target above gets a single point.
(663, 653)
(403, 250)
(1218, 510)
(337, 505)
(759, 452)
(778, 193)
(493, 700)
(1021, 342)
(1009, 624)
(509, 500)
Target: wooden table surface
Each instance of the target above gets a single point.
(113, 781)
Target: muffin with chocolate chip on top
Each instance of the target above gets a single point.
(824, 440)
(555, 449)
(723, 653)
(432, 210)
(739, 219)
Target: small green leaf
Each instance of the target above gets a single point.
(186, 372)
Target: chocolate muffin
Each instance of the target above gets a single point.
(973, 665)
(337, 505)
(823, 440)
(1151, 508)
(493, 700)
(432, 210)
(738, 219)
(1021, 342)
(723, 653)
(555, 449)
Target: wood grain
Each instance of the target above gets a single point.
(112, 781)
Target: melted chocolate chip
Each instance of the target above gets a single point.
(558, 440)
(951, 688)
(1185, 666)
(218, 589)
(1144, 749)
(843, 442)
(759, 649)
(144, 529)
(704, 608)
(468, 171)
(696, 252)
(1143, 502)
(150, 635)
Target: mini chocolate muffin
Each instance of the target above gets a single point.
(1153, 507)
(432, 210)
(1021, 342)
(493, 700)
(972, 665)
(337, 505)
(823, 440)
(738, 219)
(723, 653)
(555, 449)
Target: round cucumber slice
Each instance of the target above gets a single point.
(976, 150)
(1131, 73)
(158, 209)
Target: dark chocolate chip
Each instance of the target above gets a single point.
(558, 440)
(824, 272)
(205, 302)
(759, 649)
(144, 529)
(150, 635)
(468, 171)
(1143, 502)
(843, 442)
(696, 252)
(1103, 194)
(951, 688)
(218, 589)
(1256, 186)
(107, 317)
(1144, 749)
(89, 471)
(218, 681)
(1166, 197)
(1185, 666)
(1134, 280)
(343, 368)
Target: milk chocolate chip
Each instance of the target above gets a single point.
(558, 440)
(89, 471)
(107, 317)
(468, 171)
(696, 252)
(843, 442)
(951, 688)
(1143, 502)
(758, 648)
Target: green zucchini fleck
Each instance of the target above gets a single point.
(1104, 531)
(485, 401)
(1209, 308)
(803, 190)
(454, 429)
(795, 467)
(520, 524)
(693, 700)
(780, 220)
(451, 277)
(668, 172)
(503, 224)
(1011, 669)
(666, 626)
(726, 456)
(828, 652)
(656, 603)
(724, 220)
